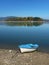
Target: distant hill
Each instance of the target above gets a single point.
(5, 18)
(2, 18)
(46, 19)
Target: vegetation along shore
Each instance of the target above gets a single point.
(12, 18)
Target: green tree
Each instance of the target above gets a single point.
(37, 19)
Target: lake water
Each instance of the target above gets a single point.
(12, 36)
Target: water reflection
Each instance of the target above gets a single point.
(24, 23)
(13, 35)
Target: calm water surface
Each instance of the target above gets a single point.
(12, 36)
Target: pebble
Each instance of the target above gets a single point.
(10, 51)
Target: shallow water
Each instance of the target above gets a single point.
(12, 36)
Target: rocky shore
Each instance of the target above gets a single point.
(13, 57)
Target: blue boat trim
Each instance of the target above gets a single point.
(29, 46)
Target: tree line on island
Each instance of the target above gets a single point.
(26, 21)
(23, 19)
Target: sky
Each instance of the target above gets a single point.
(24, 8)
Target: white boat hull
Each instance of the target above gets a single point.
(27, 49)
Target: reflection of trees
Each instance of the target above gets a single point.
(37, 23)
(24, 23)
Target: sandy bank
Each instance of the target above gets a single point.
(13, 58)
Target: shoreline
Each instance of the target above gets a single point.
(14, 57)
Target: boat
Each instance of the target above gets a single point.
(28, 47)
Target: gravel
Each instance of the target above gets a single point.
(12, 57)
